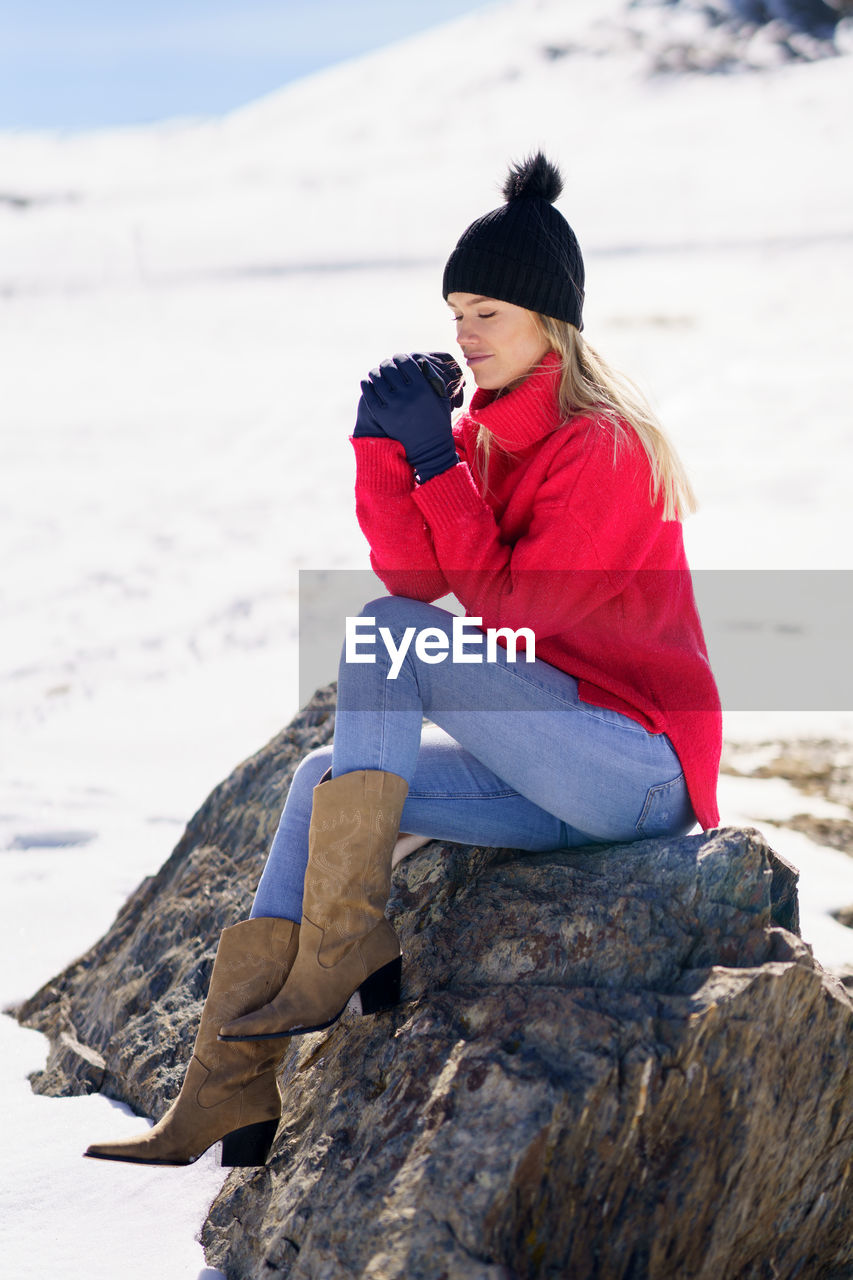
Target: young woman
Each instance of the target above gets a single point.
(552, 512)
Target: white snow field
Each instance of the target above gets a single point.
(185, 313)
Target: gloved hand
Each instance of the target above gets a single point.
(365, 423)
(400, 398)
(443, 375)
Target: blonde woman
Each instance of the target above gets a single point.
(575, 705)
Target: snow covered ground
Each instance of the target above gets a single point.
(185, 313)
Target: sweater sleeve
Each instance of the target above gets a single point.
(401, 549)
(589, 531)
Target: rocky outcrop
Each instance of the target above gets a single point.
(613, 1062)
(717, 36)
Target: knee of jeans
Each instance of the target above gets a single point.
(402, 611)
(311, 769)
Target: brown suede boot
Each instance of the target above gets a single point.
(229, 1091)
(345, 942)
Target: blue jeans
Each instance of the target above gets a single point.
(511, 757)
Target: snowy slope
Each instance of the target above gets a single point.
(185, 313)
(387, 157)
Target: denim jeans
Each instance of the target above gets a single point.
(510, 756)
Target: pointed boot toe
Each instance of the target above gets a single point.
(122, 1150)
(140, 1151)
(260, 1024)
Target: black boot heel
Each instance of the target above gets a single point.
(382, 989)
(248, 1146)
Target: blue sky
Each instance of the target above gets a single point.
(77, 64)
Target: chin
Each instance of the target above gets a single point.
(487, 383)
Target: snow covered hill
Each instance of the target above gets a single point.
(384, 158)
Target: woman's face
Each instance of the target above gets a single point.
(500, 341)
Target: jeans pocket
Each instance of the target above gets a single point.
(667, 810)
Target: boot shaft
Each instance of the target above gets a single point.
(354, 824)
(252, 962)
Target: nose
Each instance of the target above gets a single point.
(465, 332)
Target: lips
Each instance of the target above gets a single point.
(472, 360)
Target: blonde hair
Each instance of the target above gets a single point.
(589, 386)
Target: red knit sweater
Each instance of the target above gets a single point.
(563, 539)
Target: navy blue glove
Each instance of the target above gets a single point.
(441, 372)
(402, 401)
(365, 423)
(443, 375)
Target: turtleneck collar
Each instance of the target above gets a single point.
(524, 415)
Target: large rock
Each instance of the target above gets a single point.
(616, 1062)
(715, 36)
(814, 17)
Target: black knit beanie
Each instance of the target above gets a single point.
(524, 252)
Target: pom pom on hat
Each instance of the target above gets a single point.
(535, 176)
(523, 252)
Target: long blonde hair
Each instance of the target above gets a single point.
(589, 386)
